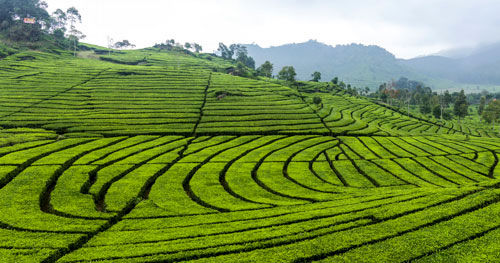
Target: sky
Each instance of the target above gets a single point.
(406, 28)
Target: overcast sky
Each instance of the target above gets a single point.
(406, 28)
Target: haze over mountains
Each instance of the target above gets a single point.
(372, 65)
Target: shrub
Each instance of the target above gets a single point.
(317, 100)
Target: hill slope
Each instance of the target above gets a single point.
(160, 157)
(165, 94)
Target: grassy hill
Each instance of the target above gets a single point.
(166, 93)
(155, 156)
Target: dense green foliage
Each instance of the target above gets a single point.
(316, 76)
(158, 155)
(287, 73)
(28, 24)
(266, 69)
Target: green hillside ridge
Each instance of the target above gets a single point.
(167, 155)
(158, 156)
(170, 93)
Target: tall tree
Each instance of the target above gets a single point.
(59, 20)
(266, 69)
(461, 107)
(482, 104)
(316, 76)
(75, 35)
(197, 48)
(287, 73)
(426, 106)
(225, 52)
(335, 80)
(447, 99)
(491, 113)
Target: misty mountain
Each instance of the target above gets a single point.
(357, 64)
(479, 66)
(372, 65)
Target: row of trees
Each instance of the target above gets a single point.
(61, 25)
(489, 111)
(236, 52)
(171, 44)
(405, 92)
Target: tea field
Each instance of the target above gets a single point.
(147, 156)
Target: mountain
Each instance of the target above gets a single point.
(372, 65)
(480, 66)
(357, 64)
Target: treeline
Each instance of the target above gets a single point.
(28, 21)
(172, 45)
(245, 66)
(404, 93)
(489, 106)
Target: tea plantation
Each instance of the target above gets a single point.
(137, 157)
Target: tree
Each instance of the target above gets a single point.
(123, 44)
(461, 106)
(249, 62)
(59, 20)
(287, 73)
(12, 14)
(74, 34)
(188, 46)
(265, 69)
(491, 113)
(335, 80)
(426, 108)
(317, 100)
(240, 70)
(197, 48)
(242, 55)
(436, 111)
(447, 99)
(384, 97)
(316, 76)
(225, 52)
(482, 103)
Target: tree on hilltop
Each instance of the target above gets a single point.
(287, 73)
(197, 47)
(74, 17)
(225, 52)
(266, 69)
(461, 107)
(123, 44)
(316, 76)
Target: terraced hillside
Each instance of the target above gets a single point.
(106, 162)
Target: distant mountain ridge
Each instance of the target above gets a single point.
(372, 65)
(480, 66)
